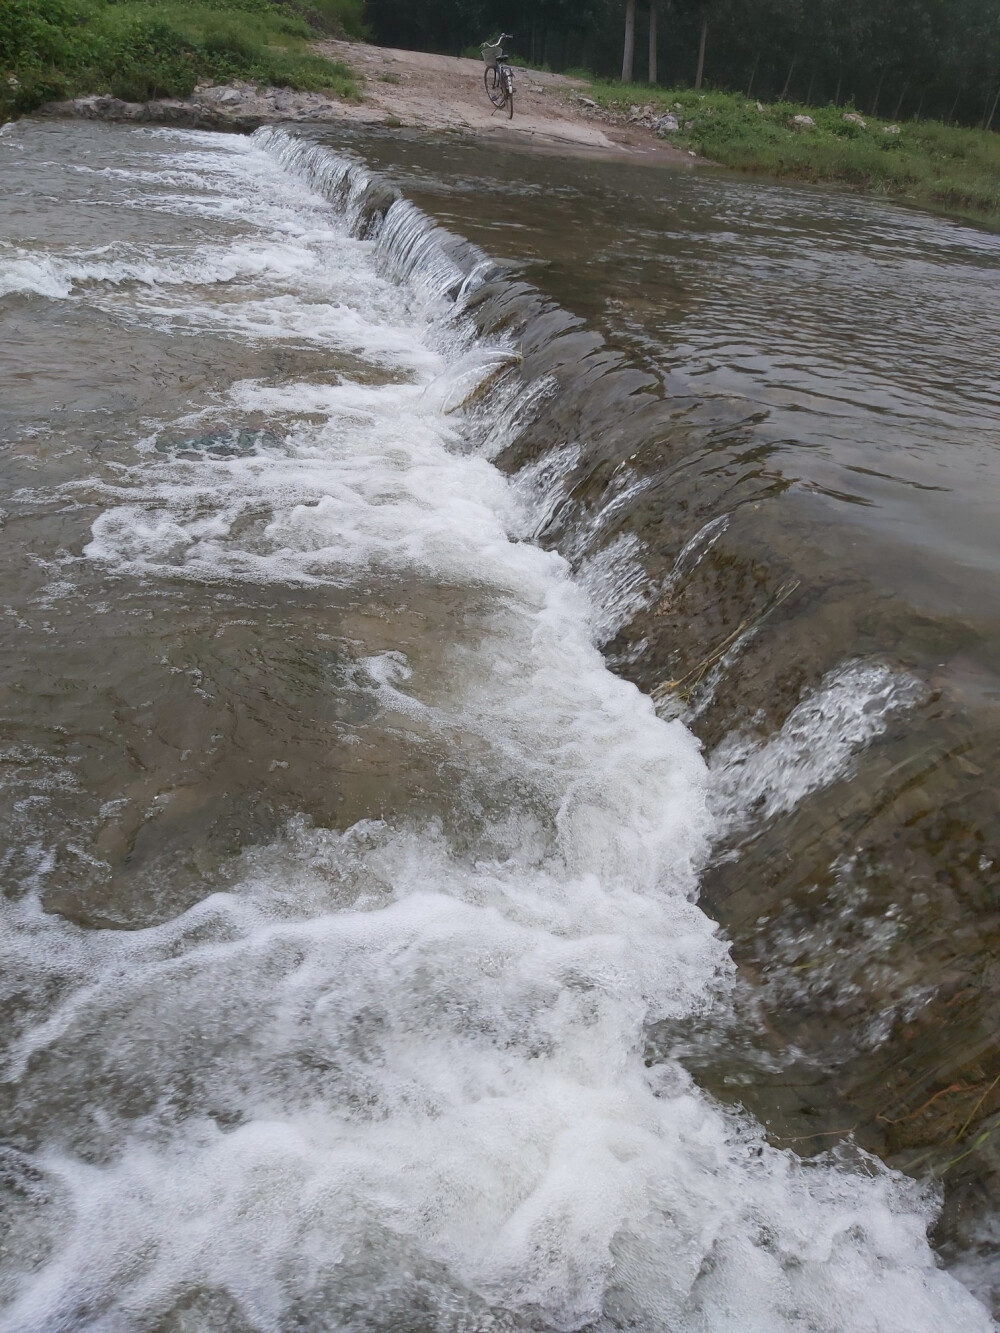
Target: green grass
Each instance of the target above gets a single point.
(927, 162)
(138, 49)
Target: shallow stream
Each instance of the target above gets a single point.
(500, 810)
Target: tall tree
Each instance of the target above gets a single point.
(628, 56)
(702, 43)
(940, 58)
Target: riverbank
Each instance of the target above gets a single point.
(920, 161)
(418, 90)
(135, 53)
(396, 89)
(145, 61)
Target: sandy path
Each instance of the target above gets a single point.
(404, 88)
(446, 93)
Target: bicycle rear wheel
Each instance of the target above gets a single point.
(496, 87)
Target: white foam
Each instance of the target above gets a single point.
(25, 273)
(815, 747)
(376, 485)
(617, 584)
(59, 276)
(540, 486)
(383, 1073)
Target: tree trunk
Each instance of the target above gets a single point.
(899, 104)
(840, 79)
(533, 46)
(920, 107)
(791, 71)
(986, 111)
(951, 113)
(993, 111)
(652, 41)
(629, 55)
(753, 73)
(809, 90)
(878, 93)
(702, 42)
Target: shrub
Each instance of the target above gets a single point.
(142, 59)
(140, 49)
(928, 162)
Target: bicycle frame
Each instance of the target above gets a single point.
(503, 76)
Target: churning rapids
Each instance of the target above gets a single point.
(344, 882)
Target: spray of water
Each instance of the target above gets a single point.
(380, 1080)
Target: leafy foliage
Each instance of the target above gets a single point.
(926, 161)
(138, 49)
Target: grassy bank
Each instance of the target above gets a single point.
(926, 162)
(138, 49)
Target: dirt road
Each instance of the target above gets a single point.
(404, 88)
(447, 93)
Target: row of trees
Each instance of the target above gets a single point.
(937, 58)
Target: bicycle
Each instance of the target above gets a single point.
(498, 75)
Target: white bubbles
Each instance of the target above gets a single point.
(392, 1057)
(25, 273)
(377, 484)
(389, 1077)
(617, 583)
(815, 746)
(60, 276)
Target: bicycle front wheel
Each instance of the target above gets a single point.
(496, 88)
(510, 97)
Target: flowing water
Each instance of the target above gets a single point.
(498, 759)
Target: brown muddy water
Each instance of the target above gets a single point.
(499, 782)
